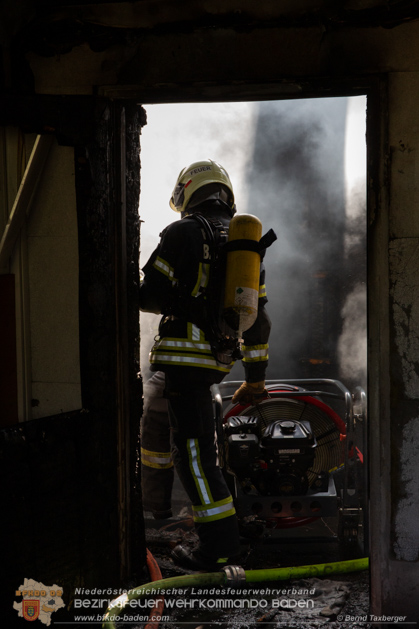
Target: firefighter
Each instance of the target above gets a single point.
(178, 282)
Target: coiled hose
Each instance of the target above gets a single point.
(228, 577)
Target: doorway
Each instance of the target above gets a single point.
(300, 166)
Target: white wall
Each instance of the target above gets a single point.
(52, 271)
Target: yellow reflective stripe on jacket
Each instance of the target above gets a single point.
(202, 281)
(262, 290)
(188, 361)
(193, 351)
(254, 353)
(195, 333)
(157, 460)
(215, 511)
(179, 343)
(164, 267)
(197, 472)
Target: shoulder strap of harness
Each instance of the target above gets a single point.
(209, 225)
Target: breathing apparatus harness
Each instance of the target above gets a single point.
(206, 309)
(223, 340)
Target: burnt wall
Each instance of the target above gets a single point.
(59, 513)
(170, 62)
(403, 263)
(71, 510)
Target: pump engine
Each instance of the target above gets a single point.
(275, 459)
(287, 459)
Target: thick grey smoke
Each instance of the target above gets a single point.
(297, 186)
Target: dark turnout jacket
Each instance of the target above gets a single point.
(176, 284)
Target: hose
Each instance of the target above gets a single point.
(155, 575)
(224, 577)
(300, 572)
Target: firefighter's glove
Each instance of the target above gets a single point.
(250, 393)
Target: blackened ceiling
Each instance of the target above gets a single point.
(53, 26)
(146, 34)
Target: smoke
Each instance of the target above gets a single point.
(352, 345)
(296, 185)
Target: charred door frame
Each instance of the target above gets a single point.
(127, 120)
(379, 418)
(107, 188)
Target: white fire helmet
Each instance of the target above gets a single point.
(196, 176)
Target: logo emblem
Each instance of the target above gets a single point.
(30, 609)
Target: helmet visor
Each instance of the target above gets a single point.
(178, 196)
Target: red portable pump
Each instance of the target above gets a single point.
(288, 458)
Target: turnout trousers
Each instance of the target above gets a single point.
(157, 472)
(194, 453)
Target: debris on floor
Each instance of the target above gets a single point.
(341, 602)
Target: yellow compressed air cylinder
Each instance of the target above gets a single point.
(242, 275)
